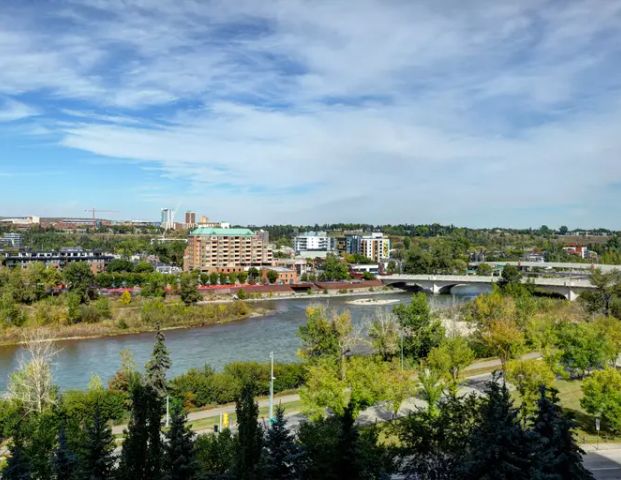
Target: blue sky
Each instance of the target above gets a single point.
(474, 113)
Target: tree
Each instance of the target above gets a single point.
(125, 298)
(32, 384)
(80, 280)
(430, 388)
(97, 459)
(155, 286)
(557, 455)
(18, 464)
(384, 335)
(582, 348)
(335, 269)
(510, 276)
(158, 365)
(609, 328)
(253, 274)
(188, 290)
(272, 276)
(504, 339)
(602, 397)
(484, 270)
(65, 461)
(529, 376)
(179, 452)
(134, 462)
(242, 277)
(249, 434)
(223, 278)
(499, 447)
(563, 230)
(120, 265)
(213, 278)
(280, 452)
(450, 358)
(144, 267)
(608, 286)
(216, 454)
(420, 331)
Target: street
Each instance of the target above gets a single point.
(604, 463)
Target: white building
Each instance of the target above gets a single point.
(375, 246)
(168, 219)
(314, 242)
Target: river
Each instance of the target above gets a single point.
(215, 345)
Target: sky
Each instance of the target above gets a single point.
(473, 113)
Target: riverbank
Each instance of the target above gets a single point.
(142, 317)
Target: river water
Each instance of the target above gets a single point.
(215, 345)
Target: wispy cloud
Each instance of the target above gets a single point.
(417, 110)
(11, 110)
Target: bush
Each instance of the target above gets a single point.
(79, 404)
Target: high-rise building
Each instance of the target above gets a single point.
(190, 219)
(212, 249)
(168, 219)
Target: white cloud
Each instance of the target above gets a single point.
(382, 110)
(11, 110)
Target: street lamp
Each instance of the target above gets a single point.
(272, 378)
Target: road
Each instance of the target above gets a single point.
(605, 462)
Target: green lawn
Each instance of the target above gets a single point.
(570, 393)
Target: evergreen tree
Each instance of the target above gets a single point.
(134, 462)
(557, 455)
(18, 465)
(97, 461)
(65, 463)
(155, 450)
(179, 457)
(279, 452)
(347, 465)
(158, 365)
(249, 434)
(498, 447)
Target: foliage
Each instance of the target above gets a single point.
(97, 453)
(280, 453)
(582, 348)
(529, 376)
(188, 289)
(80, 280)
(504, 339)
(335, 269)
(215, 454)
(450, 358)
(158, 365)
(383, 333)
(421, 332)
(484, 269)
(602, 397)
(250, 436)
(179, 460)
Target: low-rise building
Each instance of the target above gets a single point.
(373, 268)
(59, 259)
(314, 242)
(286, 276)
(11, 239)
(226, 250)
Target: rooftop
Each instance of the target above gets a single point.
(227, 232)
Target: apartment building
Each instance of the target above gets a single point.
(314, 242)
(59, 259)
(213, 249)
(375, 246)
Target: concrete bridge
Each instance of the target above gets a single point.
(568, 288)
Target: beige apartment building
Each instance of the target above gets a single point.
(226, 250)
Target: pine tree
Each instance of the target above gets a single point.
(65, 463)
(155, 410)
(279, 451)
(180, 463)
(18, 465)
(158, 365)
(347, 465)
(97, 460)
(249, 434)
(498, 447)
(134, 462)
(557, 455)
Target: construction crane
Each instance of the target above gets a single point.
(94, 212)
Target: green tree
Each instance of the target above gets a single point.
(216, 454)
(450, 358)
(253, 274)
(97, 459)
(120, 265)
(335, 269)
(179, 459)
(144, 267)
(242, 277)
(18, 464)
(499, 448)
(557, 455)
(158, 365)
(134, 461)
(280, 453)
(484, 270)
(421, 332)
(602, 397)
(223, 278)
(511, 276)
(249, 434)
(213, 278)
(65, 461)
(188, 289)
(529, 376)
(504, 339)
(154, 286)
(608, 286)
(272, 276)
(80, 280)
(582, 348)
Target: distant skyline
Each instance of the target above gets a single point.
(476, 114)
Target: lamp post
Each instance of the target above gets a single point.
(271, 408)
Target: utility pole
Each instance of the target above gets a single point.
(271, 409)
(167, 410)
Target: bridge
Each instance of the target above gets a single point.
(568, 288)
(553, 265)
